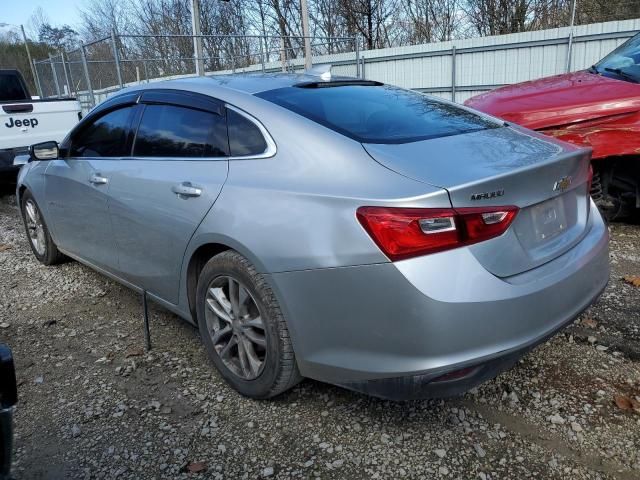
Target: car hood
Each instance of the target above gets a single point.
(559, 100)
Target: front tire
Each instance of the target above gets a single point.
(40, 241)
(243, 329)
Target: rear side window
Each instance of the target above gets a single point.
(11, 88)
(105, 137)
(245, 137)
(172, 131)
(378, 114)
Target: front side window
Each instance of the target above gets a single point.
(105, 137)
(245, 137)
(378, 114)
(172, 131)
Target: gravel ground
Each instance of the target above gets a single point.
(93, 405)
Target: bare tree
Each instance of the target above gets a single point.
(378, 23)
(369, 19)
(431, 20)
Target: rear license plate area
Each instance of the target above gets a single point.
(549, 219)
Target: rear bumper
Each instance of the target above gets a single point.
(391, 329)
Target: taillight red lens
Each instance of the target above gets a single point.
(409, 232)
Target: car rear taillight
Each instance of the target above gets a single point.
(409, 232)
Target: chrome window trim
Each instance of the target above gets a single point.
(271, 149)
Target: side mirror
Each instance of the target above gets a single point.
(44, 151)
(8, 387)
(20, 160)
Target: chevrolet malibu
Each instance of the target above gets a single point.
(332, 228)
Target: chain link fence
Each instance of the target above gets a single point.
(99, 68)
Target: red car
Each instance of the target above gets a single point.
(597, 108)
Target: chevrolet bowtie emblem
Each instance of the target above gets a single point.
(562, 184)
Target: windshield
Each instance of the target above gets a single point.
(378, 114)
(623, 63)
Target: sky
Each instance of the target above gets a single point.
(58, 11)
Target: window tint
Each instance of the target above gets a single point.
(171, 131)
(378, 114)
(105, 137)
(245, 137)
(11, 88)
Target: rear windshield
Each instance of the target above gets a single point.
(378, 114)
(11, 88)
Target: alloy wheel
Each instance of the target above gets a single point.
(236, 328)
(35, 228)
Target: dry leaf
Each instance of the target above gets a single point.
(196, 467)
(589, 322)
(134, 352)
(623, 402)
(633, 280)
(4, 247)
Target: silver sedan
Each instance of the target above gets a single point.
(333, 228)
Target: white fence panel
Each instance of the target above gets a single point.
(484, 63)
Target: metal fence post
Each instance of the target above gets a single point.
(31, 64)
(38, 85)
(87, 77)
(197, 37)
(233, 54)
(453, 73)
(66, 74)
(355, 39)
(363, 70)
(283, 54)
(261, 54)
(55, 75)
(116, 57)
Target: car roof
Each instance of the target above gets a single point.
(250, 83)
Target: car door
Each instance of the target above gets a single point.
(77, 187)
(159, 196)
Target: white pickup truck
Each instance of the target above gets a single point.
(25, 120)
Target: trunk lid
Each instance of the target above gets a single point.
(546, 179)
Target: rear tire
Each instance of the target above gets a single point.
(40, 241)
(243, 329)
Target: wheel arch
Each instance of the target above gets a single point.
(199, 253)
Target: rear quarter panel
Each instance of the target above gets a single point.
(297, 210)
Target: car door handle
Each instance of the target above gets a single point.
(96, 179)
(185, 189)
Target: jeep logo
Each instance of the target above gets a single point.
(26, 122)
